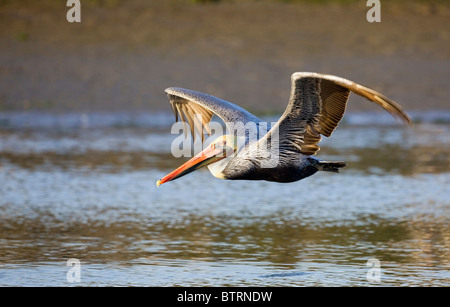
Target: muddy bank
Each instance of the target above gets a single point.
(124, 54)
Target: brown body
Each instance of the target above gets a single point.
(316, 106)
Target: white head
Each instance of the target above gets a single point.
(216, 156)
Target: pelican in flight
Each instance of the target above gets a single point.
(281, 152)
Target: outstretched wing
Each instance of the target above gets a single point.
(316, 106)
(187, 104)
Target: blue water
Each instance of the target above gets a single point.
(85, 190)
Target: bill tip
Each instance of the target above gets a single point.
(158, 183)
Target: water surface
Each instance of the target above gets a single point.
(86, 191)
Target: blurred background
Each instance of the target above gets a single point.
(123, 54)
(85, 135)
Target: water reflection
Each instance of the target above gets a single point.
(91, 195)
(273, 239)
(392, 150)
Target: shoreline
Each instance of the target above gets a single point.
(124, 54)
(38, 120)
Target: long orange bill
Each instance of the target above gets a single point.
(207, 156)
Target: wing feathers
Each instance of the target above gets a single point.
(386, 103)
(317, 105)
(188, 105)
(334, 101)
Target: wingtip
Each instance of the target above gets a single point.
(409, 122)
(386, 103)
(407, 119)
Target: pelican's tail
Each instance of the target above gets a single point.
(328, 166)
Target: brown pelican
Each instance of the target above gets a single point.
(282, 152)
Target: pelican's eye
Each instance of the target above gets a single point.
(219, 145)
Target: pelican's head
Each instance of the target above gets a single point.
(216, 156)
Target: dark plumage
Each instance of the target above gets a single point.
(285, 151)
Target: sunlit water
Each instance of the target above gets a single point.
(77, 190)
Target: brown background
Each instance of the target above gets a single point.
(124, 54)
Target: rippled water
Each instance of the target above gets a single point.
(88, 192)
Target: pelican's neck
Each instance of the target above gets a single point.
(217, 168)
